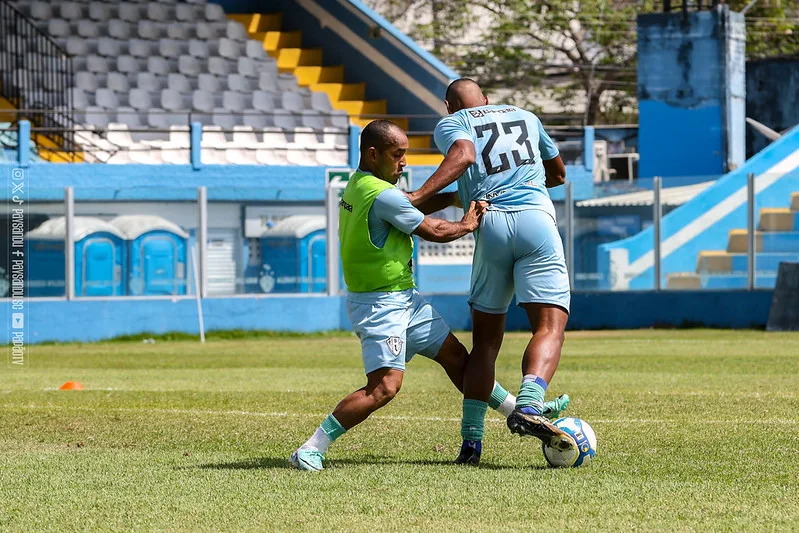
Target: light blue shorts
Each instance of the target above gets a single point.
(395, 326)
(518, 250)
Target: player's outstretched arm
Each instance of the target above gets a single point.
(439, 230)
(438, 202)
(555, 171)
(460, 156)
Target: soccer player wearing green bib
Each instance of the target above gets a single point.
(391, 319)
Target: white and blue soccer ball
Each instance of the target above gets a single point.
(583, 436)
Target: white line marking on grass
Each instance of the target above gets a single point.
(720, 394)
(284, 414)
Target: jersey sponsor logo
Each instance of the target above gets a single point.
(345, 205)
(477, 113)
(492, 195)
(394, 345)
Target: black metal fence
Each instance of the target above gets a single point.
(36, 74)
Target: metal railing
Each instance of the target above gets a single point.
(96, 133)
(36, 76)
(725, 259)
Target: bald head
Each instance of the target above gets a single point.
(380, 134)
(463, 94)
(383, 147)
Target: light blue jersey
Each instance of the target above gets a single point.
(510, 144)
(392, 208)
(517, 248)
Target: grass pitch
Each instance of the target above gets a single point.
(697, 430)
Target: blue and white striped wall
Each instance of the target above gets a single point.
(704, 222)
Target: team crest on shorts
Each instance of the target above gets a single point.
(395, 345)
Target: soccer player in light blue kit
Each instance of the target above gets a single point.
(501, 154)
(392, 320)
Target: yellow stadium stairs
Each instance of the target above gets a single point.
(307, 66)
(7, 111)
(48, 149)
(776, 240)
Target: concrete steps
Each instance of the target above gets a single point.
(307, 65)
(776, 240)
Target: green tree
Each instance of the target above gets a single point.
(437, 24)
(581, 53)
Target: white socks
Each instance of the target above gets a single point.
(318, 441)
(507, 407)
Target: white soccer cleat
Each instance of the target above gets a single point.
(307, 459)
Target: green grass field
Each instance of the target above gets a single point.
(698, 431)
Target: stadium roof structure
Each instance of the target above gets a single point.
(296, 226)
(55, 229)
(670, 196)
(133, 226)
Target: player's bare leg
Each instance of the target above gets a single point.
(481, 388)
(541, 358)
(488, 331)
(548, 325)
(453, 357)
(382, 386)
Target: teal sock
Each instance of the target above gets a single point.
(531, 393)
(498, 396)
(473, 421)
(332, 428)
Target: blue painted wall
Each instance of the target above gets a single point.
(92, 320)
(444, 279)
(691, 90)
(46, 181)
(714, 237)
(772, 98)
(694, 133)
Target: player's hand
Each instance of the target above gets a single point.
(412, 197)
(472, 217)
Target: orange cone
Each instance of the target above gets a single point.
(71, 385)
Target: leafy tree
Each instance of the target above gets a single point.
(580, 53)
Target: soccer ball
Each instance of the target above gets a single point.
(585, 438)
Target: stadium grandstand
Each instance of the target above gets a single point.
(127, 78)
(174, 278)
(223, 125)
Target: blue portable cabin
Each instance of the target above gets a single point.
(157, 251)
(293, 255)
(99, 258)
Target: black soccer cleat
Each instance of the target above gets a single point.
(527, 422)
(470, 453)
